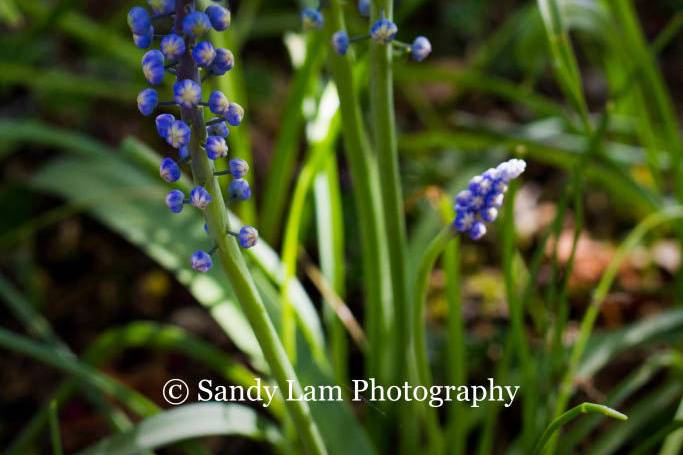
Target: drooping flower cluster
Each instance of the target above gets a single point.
(186, 42)
(479, 203)
(382, 31)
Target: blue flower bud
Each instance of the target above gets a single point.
(199, 197)
(420, 48)
(169, 170)
(312, 19)
(248, 236)
(183, 152)
(178, 134)
(383, 31)
(153, 66)
(203, 53)
(340, 42)
(218, 129)
(138, 20)
(162, 6)
(464, 220)
(218, 103)
(478, 230)
(511, 169)
(196, 24)
(145, 40)
(201, 261)
(489, 214)
(147, 101)
(173, 46)
(234, 115)
(364, 8)
(219, 17)
(223, 62)
(187, 93)
(239, 189)
(238, 168)
(175, 200)
(216, 147)
(163, 123)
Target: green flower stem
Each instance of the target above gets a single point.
(567, 384)
(365, 184)
(234, 265)
(384, 124)
(583, 408)
(424, 376)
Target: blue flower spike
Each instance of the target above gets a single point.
(204, 53)
(479, 203)
(218, 103)
(169, 170)
(238, 168)
(223, 62)
(201, 261)
(199, 197)
(383, 31)
(234, 114)
(175, 200)
(139, 20)
(196, 24)
(219, 17)
(239, 190)
(178, 134)
(148, 99)
(312, 19)
(216, 147)
(187, 93)
(173, 47)
(153, 67)
(364, 8)
(247, 237)
(420, 49)
(340, 42)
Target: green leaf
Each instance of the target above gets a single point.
(187, 422)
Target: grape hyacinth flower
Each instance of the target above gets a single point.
(364, 8)
(187, 93)
(175, 200)
(199, 197)
(216, 147)
(203, 53)
(479, 203)
(147, 101)
(219, 17)
(153, 67)
(222, 62)
(201, 261)
(196, 24)
(383, 31)
(239, 190)
(312, 19)
(172, 46)
(182, 52)
(420, 49)
(238, 168)
(340, 42)
(234, 114)
(178, 134)
(247, 237)
(169, 170)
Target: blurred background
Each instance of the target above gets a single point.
(69, 75)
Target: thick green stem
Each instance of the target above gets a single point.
(234, 265)
(384, 124)
(365, 185)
